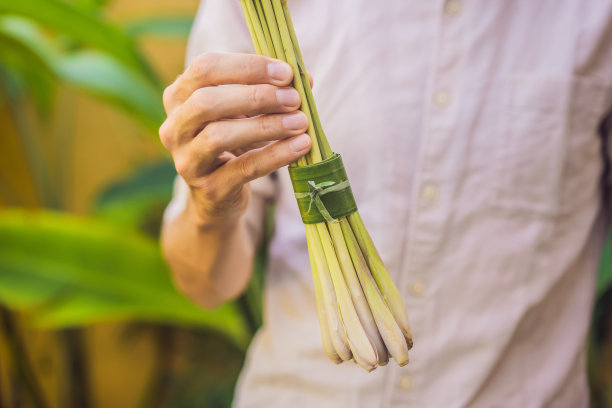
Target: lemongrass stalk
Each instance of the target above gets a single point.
(361, 345)
(261, 38)
(326, 150)
(251, 26)
(359, 300)
(322, 311)
(384, 282)
(271, 49)
(335, 327)
(275, 37)
(387, 326)
(315, 153)
(264, 28)
(269, 18)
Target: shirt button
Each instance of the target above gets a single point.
(418, 289)
(453, 7)
(430, 193)
(442, 98)
(405, 383)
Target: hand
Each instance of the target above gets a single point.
(222, 137)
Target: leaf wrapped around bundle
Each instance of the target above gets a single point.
(361, 313)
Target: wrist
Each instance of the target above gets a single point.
(206, 219)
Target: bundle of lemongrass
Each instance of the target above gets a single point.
(361, 313)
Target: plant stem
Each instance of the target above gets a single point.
(344, 249)
(20, 360)
(290, 53)
(362, 347)
(265, 28)
(158, 389)
(336, 329)
(326, 150)
(77, 365)
(251, 26)
(259, 35)
(324, 320)
(384, 282)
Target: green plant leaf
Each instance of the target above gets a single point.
(83, 27)
(130, 201)
(91, 71)
(106, 78)
(68, 271)
(178, 26)
(604, 278)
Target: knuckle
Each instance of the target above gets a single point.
(165, 134)
(183, 166)
(248, 168)
(204, 99)
(210, 189)
(264, 125)
(167, 96)
(213, 138)
(204, 64)
(257, 95)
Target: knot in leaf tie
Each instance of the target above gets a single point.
(325, 185)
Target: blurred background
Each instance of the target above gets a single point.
(88, 314)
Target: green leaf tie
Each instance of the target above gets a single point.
(324, 184)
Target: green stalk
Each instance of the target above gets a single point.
(385, 322)
(336, 330)
(249, 21)
(359, 300)
(315, 153)
(261, 38)
(381, 276)
(363, 350)
(275, 39)
(264, 27)
(324, 322)
(277, 45)
(326, 150)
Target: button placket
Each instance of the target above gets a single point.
(452, 7)
(405, 382)
(442, 98)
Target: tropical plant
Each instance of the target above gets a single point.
(62, 271)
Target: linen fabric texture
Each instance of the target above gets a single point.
(471, 133)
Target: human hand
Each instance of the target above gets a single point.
(222, 137)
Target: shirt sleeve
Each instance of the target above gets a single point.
(219, 27)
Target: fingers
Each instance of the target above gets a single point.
(223, 69)
(229, 135)
(199, 157)
(215, 103)
(259, 163)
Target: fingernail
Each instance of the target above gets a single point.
(288, 97)
(299, 143)
(295, 121)
(280, 71)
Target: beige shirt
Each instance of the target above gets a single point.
(469, 130)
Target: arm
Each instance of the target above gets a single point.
(219, 138)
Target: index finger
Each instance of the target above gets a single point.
(224, 69)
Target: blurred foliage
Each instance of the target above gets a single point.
(600, 342)
(46, 40)
(62, 271)
(86, 271)
(136, 200)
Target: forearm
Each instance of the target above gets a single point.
(210, 263)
